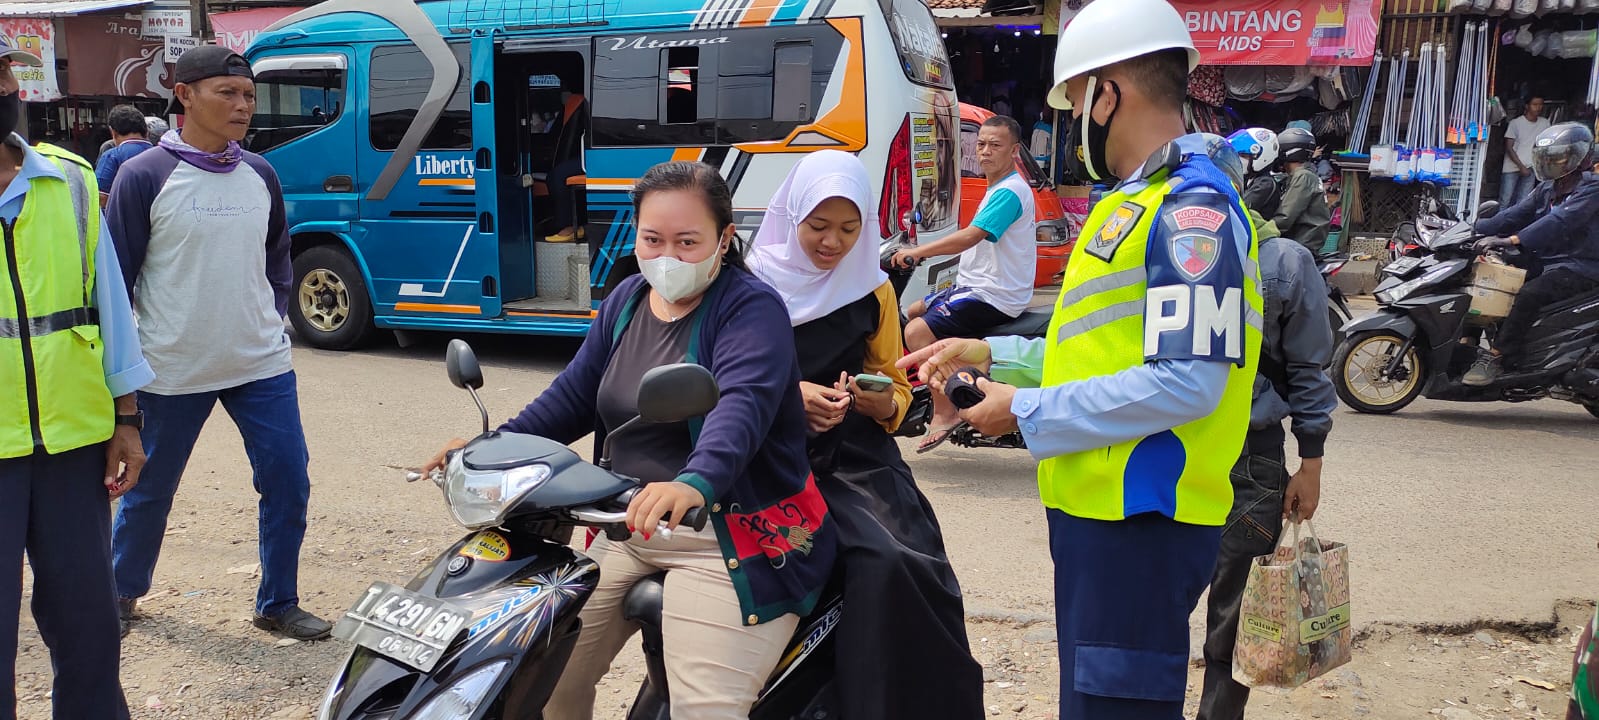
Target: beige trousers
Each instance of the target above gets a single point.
(715, 665)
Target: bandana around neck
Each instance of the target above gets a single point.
(219, 162)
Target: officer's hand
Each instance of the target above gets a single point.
(944, 358)
(124, 459)
(992, 416)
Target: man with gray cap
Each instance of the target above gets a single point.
(199, 226)
(69, 425)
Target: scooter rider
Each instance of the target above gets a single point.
(1263, 189)
(1559, 224)
(1303, 214)
(1141, 414)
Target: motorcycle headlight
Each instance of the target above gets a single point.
(1405, 289)
(462, 699)
(480, 498)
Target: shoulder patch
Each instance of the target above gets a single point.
(1115, 230)
(1194, 225)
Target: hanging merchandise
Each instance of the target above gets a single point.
(1523, 9)
(1357, 137)
(1384, 155)
(1457, 108)
(1406, 153)
(1443, 157)
(1499, 7)
(1578, 43)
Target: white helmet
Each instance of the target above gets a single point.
(1258, 145)
(1109, 31)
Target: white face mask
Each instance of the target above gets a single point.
(676, 280)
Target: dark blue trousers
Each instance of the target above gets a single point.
(268, 415)
(56, 509)
(1123, 594)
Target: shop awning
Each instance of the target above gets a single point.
(63, 8)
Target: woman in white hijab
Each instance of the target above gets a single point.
(902, 649)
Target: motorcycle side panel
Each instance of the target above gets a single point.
(524, 607)
(1559, 339)
(1441, 318)
(1384, 319)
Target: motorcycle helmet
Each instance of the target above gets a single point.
(1258, 148)
(1296, 144)
(1562, 150)
(1106, 33)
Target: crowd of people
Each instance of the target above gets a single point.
(1190, 326)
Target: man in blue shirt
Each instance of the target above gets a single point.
(128, 138)
(54, 501)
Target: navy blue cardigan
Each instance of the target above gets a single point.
(749, 453)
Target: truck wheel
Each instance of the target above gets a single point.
(330, 307)
(1359, 372)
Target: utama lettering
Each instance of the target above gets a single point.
(1242, 30)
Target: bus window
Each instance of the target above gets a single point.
(771, 80)
(921, 51)
(682, 86)
(791, 83)
(651, 90)
(399, 82)
(295, 96)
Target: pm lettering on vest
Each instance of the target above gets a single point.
(1194, 314)
(1194, 308)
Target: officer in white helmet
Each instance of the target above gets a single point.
(1141, 390)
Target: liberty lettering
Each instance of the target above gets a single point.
(432, 165)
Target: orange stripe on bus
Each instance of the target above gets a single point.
(760, 12)
(453, 182)
(689, 154)
(430, 307)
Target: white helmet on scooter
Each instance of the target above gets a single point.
(1257, 146)
(1107, 32)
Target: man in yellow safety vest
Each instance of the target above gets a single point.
(69, 426)
(1140, 393)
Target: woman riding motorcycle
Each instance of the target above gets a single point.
(1559, 224)
(902, 646)
(733, 594)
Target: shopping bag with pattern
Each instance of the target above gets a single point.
(1293, 624)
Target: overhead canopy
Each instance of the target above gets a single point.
(64, 8)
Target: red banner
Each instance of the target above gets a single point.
(236, 30)
(1278, 32)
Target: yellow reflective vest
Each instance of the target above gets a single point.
(1119, 310)
(55, 394)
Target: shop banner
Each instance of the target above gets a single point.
(177, 45)
(110, 56)
(1277, 32)
(160, 23)
(236, 30)
(38, 36)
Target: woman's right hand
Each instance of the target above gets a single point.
(825, 407)
(441, 459)
(938, 362)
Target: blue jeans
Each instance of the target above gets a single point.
(1123, 593)
(55, 508)
(1515, 187)
(267, 413)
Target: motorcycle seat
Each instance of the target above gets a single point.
(1569, 304)
(1033, 322)
(642, 604)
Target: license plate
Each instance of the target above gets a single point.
(1402, 266)
(408, 627)
(942, 276)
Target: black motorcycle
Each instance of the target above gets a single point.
(485, 630)
(1338, 312)
(1412, 345)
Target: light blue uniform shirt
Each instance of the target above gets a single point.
(125, 368)
(1110, 409)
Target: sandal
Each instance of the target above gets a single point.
(937, 437)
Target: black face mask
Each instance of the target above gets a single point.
(10, 113)
(1086, 139)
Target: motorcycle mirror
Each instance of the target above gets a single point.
(461, 364)
(674, 393)
(1487, 209)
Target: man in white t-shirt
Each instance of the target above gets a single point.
(998, 253)
(1517, 180)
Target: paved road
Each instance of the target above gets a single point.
(1453, 512)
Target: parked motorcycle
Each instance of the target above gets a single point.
(1412, 345)
(485, 630)
(1414, 237)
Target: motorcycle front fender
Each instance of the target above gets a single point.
(1382, 320)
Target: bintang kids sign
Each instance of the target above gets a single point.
(36, 35)
(1276, 32)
